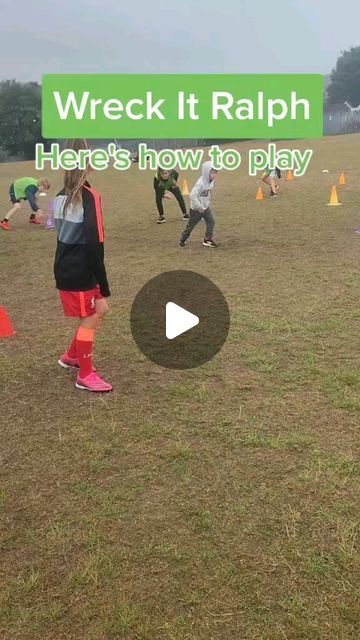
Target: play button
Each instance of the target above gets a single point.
(180, 319)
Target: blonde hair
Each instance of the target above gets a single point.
(44, 184)
(75, 179)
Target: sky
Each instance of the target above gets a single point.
(181, 36)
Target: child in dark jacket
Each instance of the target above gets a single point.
(166, 181)
(80, 272)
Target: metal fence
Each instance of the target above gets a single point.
(158, 145)
(340, 119)
(164, 143)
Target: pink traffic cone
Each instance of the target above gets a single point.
(50, 220)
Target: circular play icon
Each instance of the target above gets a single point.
(180, 320)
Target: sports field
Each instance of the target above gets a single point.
(220, 503)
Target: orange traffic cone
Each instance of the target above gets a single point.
(334, 202)
(342, 180)
(185, 189)
(289, 176)
(260, 194)
(6, 329)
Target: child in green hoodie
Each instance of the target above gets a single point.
(166, 181)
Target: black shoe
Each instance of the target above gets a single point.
(186, 216)
(209, 242)
(273, 194)
(182, 243)
(161, 220)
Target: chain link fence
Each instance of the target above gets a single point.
(339, 119)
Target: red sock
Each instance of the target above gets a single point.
(84, 343)
(72, 350)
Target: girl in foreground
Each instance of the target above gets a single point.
(79, 269)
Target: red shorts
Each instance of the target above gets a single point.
(80, 304)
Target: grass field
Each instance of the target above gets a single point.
(220, 503)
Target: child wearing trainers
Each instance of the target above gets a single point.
(166, 181)
(80, 272)
(25, 189)
(200, 198)
(269, 177)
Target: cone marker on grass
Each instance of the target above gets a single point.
(334, 201)
(185, 189)
(50, 220)
(6, 328)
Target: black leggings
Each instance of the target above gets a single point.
(159, 194)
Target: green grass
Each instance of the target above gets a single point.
(216, 503)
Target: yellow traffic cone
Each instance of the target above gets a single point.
(260, 194)
(185, 188)
(342, 180)
(334, 202)
(289, 176)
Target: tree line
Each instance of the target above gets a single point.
(20, 119)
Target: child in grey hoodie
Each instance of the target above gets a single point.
(200, 198)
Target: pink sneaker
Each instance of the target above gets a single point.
(70, 363)
(93, 382)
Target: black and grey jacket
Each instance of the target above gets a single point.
(79, 260)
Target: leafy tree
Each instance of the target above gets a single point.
(345, 78)
(20, 118)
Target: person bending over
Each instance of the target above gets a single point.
(166, 181)
(21, 190)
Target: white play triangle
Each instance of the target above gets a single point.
(178, 320)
